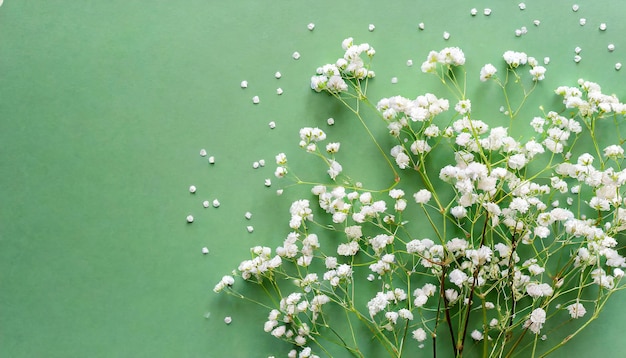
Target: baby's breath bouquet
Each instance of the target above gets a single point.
(485, 242)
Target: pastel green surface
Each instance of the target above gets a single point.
(105, 106)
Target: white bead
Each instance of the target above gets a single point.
(268, 182)
(278, 75)
(371, 27)
(296, 55)
(205, 250)
(611, 47)
(409, 63)
(203, 152)
(256, 99)
(618, 66)
(250, 228)
(577, 58)
(248, 215)
(211, 160)
(189, 218)
(244, 84)
(394, 80)
(446, 35)
(577, 50)
(524, 30)
(279, 192)
(272, 124)
(603, 26)
(310, 26)
(473, 11)
(582, 21)
(279, 91)
(546, 60)
(421, 26)
(518, 32)
(228, 320)
(255, 165)
(330, 121)
(522, 6)
(262, 162)
(575, 7)
(206, 203)
(487, 11)
(192, 189)
(216, 203)
(536, 22)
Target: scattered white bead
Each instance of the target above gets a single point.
(524, 30)
(546, 60)
(618, 66)
(330, 121)
(250, 228)
(262, 162)
(278, 75)
(279, 192)
(268, 182)
(228, 320)
(611, 47)
(502, 109)
(255, 165)
(371, 27)
(192, 189)
(421, 26)
(189, 218)
(310, 26)
(371, 277)
(256, 100)
(216, 203)
(211, 160)
(272, 124)
(575, 7)
(473, 11)
(487, 11)
(207, 315)
(577, 49)
(394, 80)
(582, 21)
(205, 250)
(446, 35)
(279, 91)
(409, 63)
(577, 58)
(522, 6)
(518, 32)
(244, 84)
(296, 55)
(536, 22)
(203, 152)
(603, 26)
(248, 215)
(206, 203)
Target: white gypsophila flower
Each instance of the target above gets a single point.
(515, 59)
(396, 193)
(334, 169)
(517, 161)
(614, 151)
(420, 147)
(536, 320)
(576, 310)
(538, 73)
(463, 107)
(487, 72)
(457, 277)
(422, 196)
(332, 148)
(419, 335)
(349, 249)
(477, 335)
(377, 304)
(458, 212)
(406, 314)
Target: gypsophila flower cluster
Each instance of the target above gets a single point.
(486, 242)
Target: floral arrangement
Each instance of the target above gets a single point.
(522, 232)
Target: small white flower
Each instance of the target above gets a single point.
(419, 335)
(576, 310)
(477, 335)
(422, 196)
(487, 72)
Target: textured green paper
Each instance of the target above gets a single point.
(105, 106)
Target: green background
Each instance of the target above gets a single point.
(105, 105)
